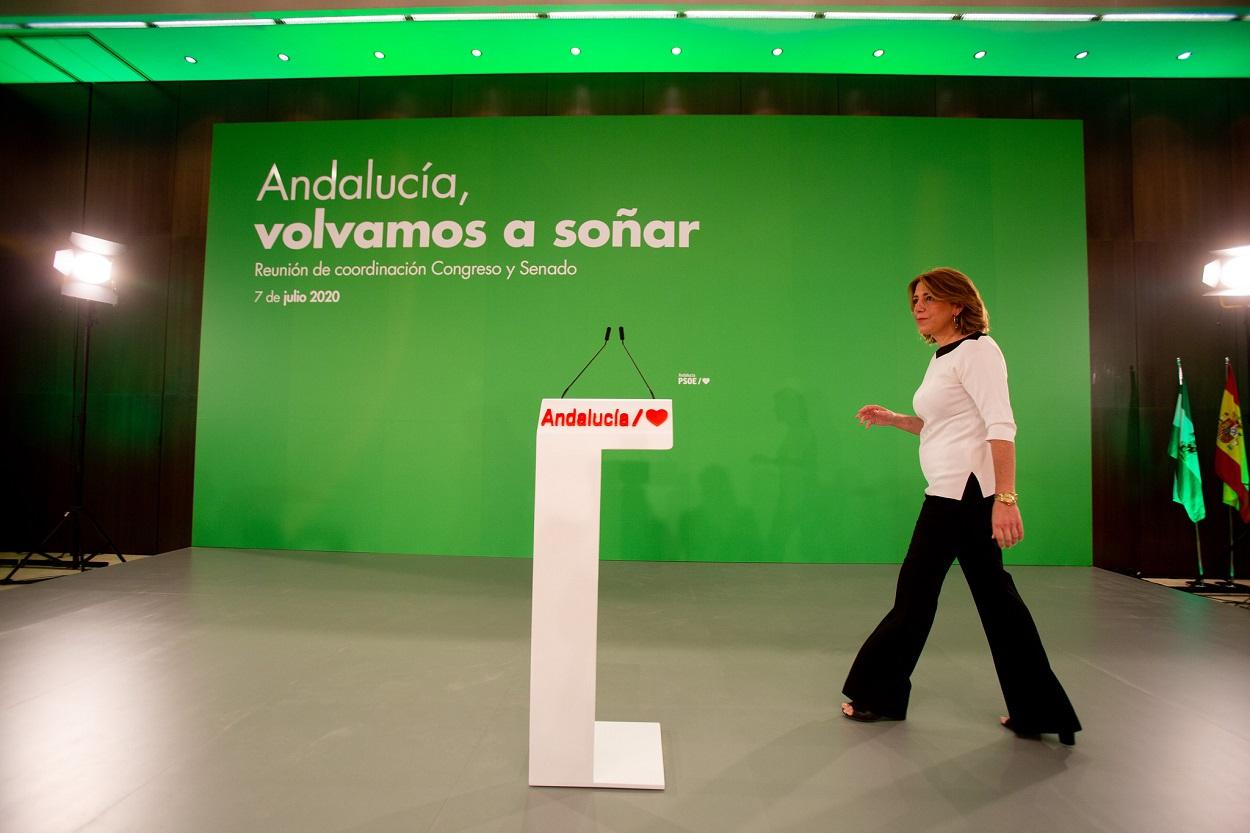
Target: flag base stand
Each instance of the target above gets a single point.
(1220, 587)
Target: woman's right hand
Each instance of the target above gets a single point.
(871, 415)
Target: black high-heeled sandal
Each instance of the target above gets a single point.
(864, 715)
(1066, 738)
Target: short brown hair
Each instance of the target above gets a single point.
(954, 287)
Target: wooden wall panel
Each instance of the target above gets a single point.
(130, 174)
(405, 98)
(595, 95)
(1114, 403)
(984, 98)
(801, 95)
(1239, 160)
(683, 94)
(1181, 156)
(45, 151)
(887, 95)
(499, 95)
(313, 99)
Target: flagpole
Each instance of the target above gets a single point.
(1232, 542)
(1198, 541)
(1180, 380)
(1232, 538)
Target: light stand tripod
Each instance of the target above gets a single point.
(75, 558)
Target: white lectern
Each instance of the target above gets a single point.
(568, 748)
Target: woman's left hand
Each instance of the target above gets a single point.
(1007, 525)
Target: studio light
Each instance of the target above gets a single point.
(1229, 274)
(88, 268)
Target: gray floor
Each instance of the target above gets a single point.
(230, 692)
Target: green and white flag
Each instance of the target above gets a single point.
(1187, 482)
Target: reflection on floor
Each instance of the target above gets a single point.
(241, 691)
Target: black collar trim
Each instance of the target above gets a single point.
(942, 351)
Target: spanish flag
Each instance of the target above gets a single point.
(1230, 448)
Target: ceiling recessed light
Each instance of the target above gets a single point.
(476, 53)
(878, 53)
(979, 54)
(189, 59)
(1169, 17)
(608, 14)
(347, 18)
(575, 51)
(282, 56)
(1184, 56)
(379, 55)
(207, 22)
(87, 24)
(777, 52)
(437, 17)
(676, 50)
(889, 16)
(1030, 17)
(749, 15)
(1082, 55)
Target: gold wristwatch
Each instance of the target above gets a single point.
(1008, 498)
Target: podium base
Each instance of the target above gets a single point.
(628, 756)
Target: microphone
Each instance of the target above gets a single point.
(607, 335)
(621, 332)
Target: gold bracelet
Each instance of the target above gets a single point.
(1007, 498)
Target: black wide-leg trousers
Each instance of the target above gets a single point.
(880, 678)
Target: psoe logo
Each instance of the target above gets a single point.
(590, 418)
(692, 379)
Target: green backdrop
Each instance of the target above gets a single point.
(398, 415)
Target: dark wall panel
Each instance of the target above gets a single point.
(1114, 403)
(314, 99)
(1181, 156)
(595, 95)
(998, 98)
(682, 94)
(405, 98)
(803, 95)
(44, 148)
(499, 95)
(130, 175)
(1239, 161)
(887, 95)
(1167, 178)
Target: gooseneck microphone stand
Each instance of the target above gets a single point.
(75, 558)
(607, 335)
(621, 330)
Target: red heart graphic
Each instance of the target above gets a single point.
(657, 417)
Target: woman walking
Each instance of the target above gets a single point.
(967, 453)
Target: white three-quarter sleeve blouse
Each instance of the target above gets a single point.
(964, 403)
